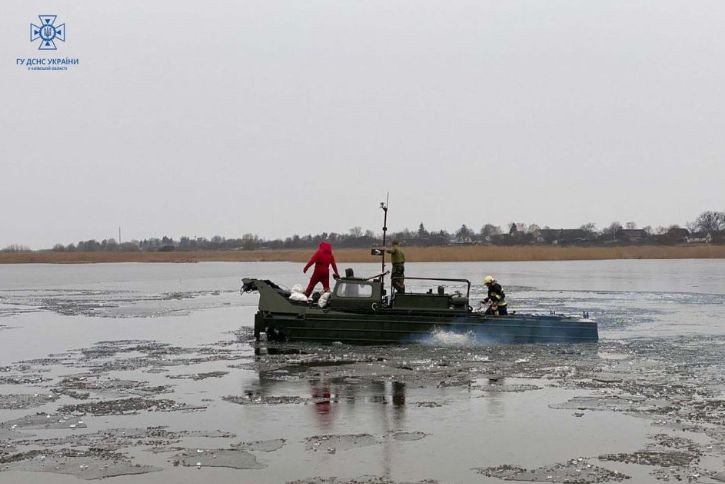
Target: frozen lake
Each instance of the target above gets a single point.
(125, 347)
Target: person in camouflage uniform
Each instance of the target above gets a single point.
(397, 257)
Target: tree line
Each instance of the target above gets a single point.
(708, 227)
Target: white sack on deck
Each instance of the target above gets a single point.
(324, 299)
(298, 296)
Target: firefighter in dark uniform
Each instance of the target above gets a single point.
(495, 296)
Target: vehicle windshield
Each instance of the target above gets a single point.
(353, 289)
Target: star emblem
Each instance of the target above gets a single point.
(47, 32)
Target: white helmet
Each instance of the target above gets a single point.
(488, 280)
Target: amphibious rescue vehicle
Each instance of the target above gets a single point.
(359, 311)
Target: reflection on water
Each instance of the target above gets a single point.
(327, 394)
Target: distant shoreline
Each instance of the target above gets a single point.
(413, 254)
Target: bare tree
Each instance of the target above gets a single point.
(249, 241)
(16, 248)
(613, 229)
(711, 222)
(490, 229)
(589, 228)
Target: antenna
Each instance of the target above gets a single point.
(384, 207)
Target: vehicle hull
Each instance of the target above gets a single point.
(413, 318)
(390, 327)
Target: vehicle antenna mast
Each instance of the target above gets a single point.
(384, 206)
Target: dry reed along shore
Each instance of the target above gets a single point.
(413, 254)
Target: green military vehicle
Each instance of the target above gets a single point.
(359, 311)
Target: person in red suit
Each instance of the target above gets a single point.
(322, 259)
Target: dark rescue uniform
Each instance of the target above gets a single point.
(498, 300)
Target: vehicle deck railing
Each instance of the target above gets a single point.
(444, 279)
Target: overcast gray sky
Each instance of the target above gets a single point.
(281, 117)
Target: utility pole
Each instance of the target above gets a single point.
(119, 235)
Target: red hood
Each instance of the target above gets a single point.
(322, 258)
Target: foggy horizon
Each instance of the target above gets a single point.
(376, 230)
